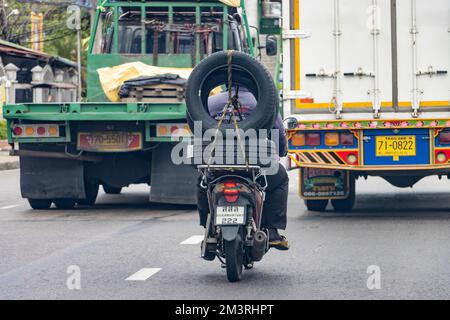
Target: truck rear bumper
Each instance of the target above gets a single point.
(95, 112)
(377, 149)
(294, 163)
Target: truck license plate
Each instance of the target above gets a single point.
(109, 141)
(396, 146)
(230, 215)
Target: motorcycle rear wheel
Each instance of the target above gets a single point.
(234, 255)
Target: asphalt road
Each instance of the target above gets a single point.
(127, 248)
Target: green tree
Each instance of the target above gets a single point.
(58, 40)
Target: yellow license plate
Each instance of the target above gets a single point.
(109, 141)
(396, 146)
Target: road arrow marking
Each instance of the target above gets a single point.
(143, 274)
(193, 240)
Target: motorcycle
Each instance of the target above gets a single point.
(233, 231)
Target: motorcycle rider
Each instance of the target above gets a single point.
(274, 216)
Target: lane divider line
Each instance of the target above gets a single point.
(10, 207)
(143, 274)
(193, 240)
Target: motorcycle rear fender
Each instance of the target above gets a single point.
(229, 233)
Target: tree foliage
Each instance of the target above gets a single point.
(58, 40)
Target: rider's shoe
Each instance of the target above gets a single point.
(277, 241)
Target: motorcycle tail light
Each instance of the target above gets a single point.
(444, 137)
(231, 192)
(313, 139)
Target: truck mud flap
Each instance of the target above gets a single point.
(46, 178)
(172, 183)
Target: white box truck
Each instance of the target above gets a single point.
(366, 90)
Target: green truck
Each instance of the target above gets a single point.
(68, 150)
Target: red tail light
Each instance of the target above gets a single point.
(347, 139)
(41, 131)
(313, 139)
(231, 191)
(444, 137)
(17, 131)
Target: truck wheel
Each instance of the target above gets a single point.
(65, 204)
(316, 205)
(111, 190)
(40, 204)
(346, 205)
(91, 195)
(247, 73)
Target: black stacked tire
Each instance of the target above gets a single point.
(247, 72)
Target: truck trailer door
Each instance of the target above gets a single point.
(424, 53)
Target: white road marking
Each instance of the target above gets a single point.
(193, 240)
(143, 274)
(10, 207)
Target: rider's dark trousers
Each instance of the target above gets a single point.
(275, 205)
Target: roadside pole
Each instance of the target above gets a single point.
(80, 83)
(77, 15)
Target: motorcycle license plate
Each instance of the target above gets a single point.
(230, 215)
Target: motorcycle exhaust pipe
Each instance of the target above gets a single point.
(259, 245)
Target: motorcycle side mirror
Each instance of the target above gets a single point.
(290, 123)
(271, 45)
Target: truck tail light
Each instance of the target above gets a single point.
(231, 191)
(36, 131)
(352, 158)
(441, 157)
(167, 130)
(444, 137)
(53, 131)
(331, 139)
(41, 131)
(17, 131)
(298, 140)
(29, 131)
(347, 139)
(313, 139)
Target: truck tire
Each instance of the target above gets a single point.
(247, 72)
(65, 204)
(91, 191)
(316, 205)
(346, 205)
(40, 204)
(111, 190)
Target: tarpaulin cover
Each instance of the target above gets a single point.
(232, 3)
(112, 78)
